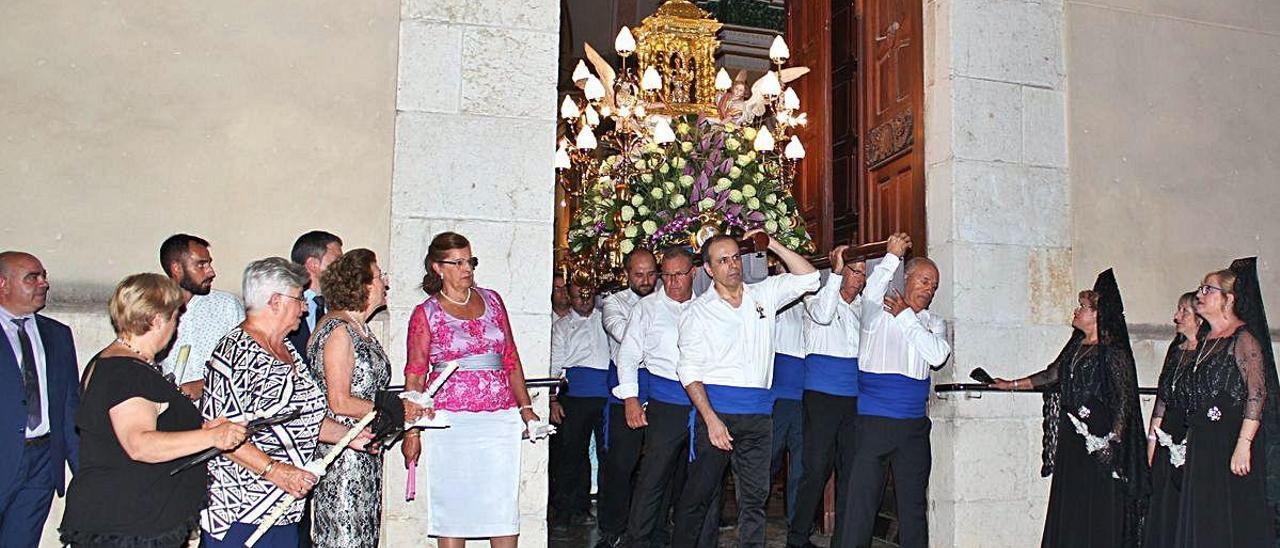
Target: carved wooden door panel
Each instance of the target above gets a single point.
(892, 57)
(808, 35)
(846, 173)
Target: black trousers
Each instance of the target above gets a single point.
(571, 467)
(903, 444)
(616, 472)
(752, 440)
(662, 471)
(829, 432)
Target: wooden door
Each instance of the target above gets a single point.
(808, 35)
(846, 174)
(892, 57)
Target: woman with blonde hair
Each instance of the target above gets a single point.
(134, 424)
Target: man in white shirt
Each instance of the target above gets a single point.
(901, 341)
(559, 297)
(726, 366)
(788, 388)
(314, 250)
(830, 393)
(649, 344)
(579, 353)
(621, 443)
(209, 314)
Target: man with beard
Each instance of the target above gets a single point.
(622, 442)
(901, 341)
(208, 315)
(726, 367)
(39, 395)
(314, 251)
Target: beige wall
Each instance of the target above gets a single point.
(246, 123)
(1173, 144)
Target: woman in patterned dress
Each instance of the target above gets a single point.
(255, 372)
(350, 365)
(473, 467)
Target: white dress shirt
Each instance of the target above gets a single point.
(789, 334)
(651, 341)
(617, 308)
(833, 326)
(906, 344)
(728, 346)
(37, 347)
(310, 297)
(578, 341)
(205, 321)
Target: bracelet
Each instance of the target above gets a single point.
(1152, 437)
(412, 432)
(529, 407)
(270, 466)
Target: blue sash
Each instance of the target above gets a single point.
(737, 400)
(892, 395)
(585, 382)
(831, 375)
(667, 391)
(642, 380)
(788, 377)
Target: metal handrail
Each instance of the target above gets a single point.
(946, 388)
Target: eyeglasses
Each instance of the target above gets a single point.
(1206, 288)
(474, 262)
(299, 299)
(670, 275)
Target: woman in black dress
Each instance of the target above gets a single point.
(1232, 419)
(1093, 443)
(1166, 437)
(134, 424)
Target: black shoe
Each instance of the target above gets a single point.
(807, 544)
(609, 541)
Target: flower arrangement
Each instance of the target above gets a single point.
(709, 178)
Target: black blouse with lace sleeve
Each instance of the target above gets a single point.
(1229, 370)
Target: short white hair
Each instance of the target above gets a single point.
(266, 277)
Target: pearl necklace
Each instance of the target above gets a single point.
(130, 348)
(462, 303)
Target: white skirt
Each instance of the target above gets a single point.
(473, 474)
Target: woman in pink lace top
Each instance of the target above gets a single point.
(473, 466)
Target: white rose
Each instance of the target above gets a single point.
(628, 213)
(637, 200)
(723, 184)
(686, 181)
(707, 203)
(735, 196)
(771, 226)
(735, 172)
(753, 203)
(748, 191)
(656, 193)
(642, 211)
(630, 231)
(649, 227)
(677, 201)
(626, 246)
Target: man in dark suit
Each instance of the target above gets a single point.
(314, 251)
(39, 394)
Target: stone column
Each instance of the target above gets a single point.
(475, 136)
(998, 206)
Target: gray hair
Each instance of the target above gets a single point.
(266, 277)
(917, 262)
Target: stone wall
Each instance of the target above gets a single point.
(475, 135)
(247, 123)
(998, 203)
(1173, 144)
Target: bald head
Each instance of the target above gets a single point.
(24, 285)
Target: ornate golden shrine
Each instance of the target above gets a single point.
(679, 41)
